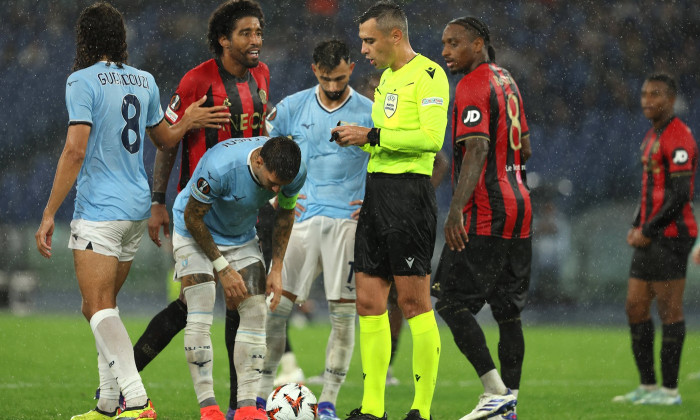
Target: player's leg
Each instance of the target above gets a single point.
(251, 345)
(396, 323)
(231, 325)
(160, 331)
(337, 247)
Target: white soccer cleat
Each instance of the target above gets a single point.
(633, 396)
(491, 405)
(659, 397)
(295, 376)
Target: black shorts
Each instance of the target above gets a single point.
(664, 259)
(489, 269)
(396, 229)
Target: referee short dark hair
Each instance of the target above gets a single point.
(224, 19)
(282, 156)
(388, 15)
(667, 79)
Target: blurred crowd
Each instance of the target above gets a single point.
(579, 66)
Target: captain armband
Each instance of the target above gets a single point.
(287, 203)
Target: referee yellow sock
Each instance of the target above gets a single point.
(426, 358)
(375, 352)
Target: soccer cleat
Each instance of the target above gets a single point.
(211, 412)
(633, 396)
(326, 411)
(315, 380)
(250, 413)
(415, 415)
(391, 380)
(357, 414)
(230, 413)
(96, 414)
(261, 403)
(122, 401)
(133, 413)
(295, 376)
(659, 397)
(509, 415)
(491, 405)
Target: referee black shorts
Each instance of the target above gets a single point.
(489, 269)
(396, 229)
(664, 259)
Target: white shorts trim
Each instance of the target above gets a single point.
(114, 238)
(190, 259)
(321, 244)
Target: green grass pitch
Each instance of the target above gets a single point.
(48, 371)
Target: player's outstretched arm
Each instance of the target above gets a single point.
(165, 135)
(474, 158)
(67, 170)
(231, 281)
(164, 162)
(284, 220)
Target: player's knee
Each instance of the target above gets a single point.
(253, 311)
(200, 306)
(637, 311)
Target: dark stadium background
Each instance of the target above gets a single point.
(579, 65)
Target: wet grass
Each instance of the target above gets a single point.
(48, 370)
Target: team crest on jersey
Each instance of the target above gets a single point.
(263, 96)
(680, 156)
(272, 115)
(203, 186)
(391, 101)
(471, 116)
(175, 102)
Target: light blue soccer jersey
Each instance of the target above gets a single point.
(336, 175)
(118, 104)
(224, 179)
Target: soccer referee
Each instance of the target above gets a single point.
(396, 229)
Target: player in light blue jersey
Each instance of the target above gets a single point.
(110, 106)
(214, 218)
(323, 237)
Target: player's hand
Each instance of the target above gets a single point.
(299, 208)
(636, 238)
(159, 217)
(43, 236)
(232, 282)
(274, 286)
(207, 117)
(350, 135)
(356, 214)
(455, 235)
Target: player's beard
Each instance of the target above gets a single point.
(334, 95)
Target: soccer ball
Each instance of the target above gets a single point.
(292, 402)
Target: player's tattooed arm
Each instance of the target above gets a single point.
(476, 149)
(165, 160)
(194, 221)
(284, 220)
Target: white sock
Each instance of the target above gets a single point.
(492, 382)
(673, 392)
(515, 392)
(198, 349)
(109, 388)
(249, 352)
(114, 344)
(651, 387)
(339, 349)
(276, 332)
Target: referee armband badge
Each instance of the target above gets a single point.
(287, 203)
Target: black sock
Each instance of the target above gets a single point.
(287, 345)
(643, 350)
(467, 335)
(511, 351)
(162, 328)
(673, 336)
(233, 319)
(394, 346)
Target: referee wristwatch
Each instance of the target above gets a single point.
(157, 198)
(373, 136)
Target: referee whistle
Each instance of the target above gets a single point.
(334, 136)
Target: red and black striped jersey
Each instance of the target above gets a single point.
(246, 99)
(488, 105)
(668, 153)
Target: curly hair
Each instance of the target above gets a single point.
(328, 54)
(224, 19)
(100, 33)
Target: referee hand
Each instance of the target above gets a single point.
(455, 235)
(350, 135)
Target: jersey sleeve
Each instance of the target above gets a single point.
(287, 197)
(155, 110)
(79, 100)
(184, 96)
(680, 153)
(432, 99)
(208, 184)
(472, 109)
(277, 122)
